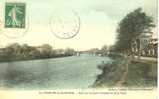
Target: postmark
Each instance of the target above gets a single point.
(65, 24)
(16, 20)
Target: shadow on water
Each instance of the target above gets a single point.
(25, 75)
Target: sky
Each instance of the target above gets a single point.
(99, 20)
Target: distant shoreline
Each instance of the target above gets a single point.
(29, 59)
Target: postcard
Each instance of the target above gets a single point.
(78, 49)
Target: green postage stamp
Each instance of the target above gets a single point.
(15, 15)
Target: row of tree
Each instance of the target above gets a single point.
(22, 52)
(103, 51)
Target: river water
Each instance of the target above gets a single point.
(75, 72)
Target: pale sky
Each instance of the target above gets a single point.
(99, 19)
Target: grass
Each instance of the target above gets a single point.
(141, 73)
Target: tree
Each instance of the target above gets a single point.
(131, 27)
(69, 52)
(46, 50)
(94, 51)
(104, 50)
(25, 49)
(13, 49)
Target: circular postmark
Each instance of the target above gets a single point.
(15, 32)
(16, 22)
(65, 24)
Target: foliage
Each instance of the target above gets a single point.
(46, 50)
(69, 51)
(104, 50)
(14, 52)
(131, 27)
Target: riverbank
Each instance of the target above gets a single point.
(14, 59)
(128, 72)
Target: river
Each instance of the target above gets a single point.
(75, 72)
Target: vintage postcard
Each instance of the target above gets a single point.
(78, 49)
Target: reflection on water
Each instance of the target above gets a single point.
(60, 73)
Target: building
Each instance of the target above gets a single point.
(145, 45)
(149, 45)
